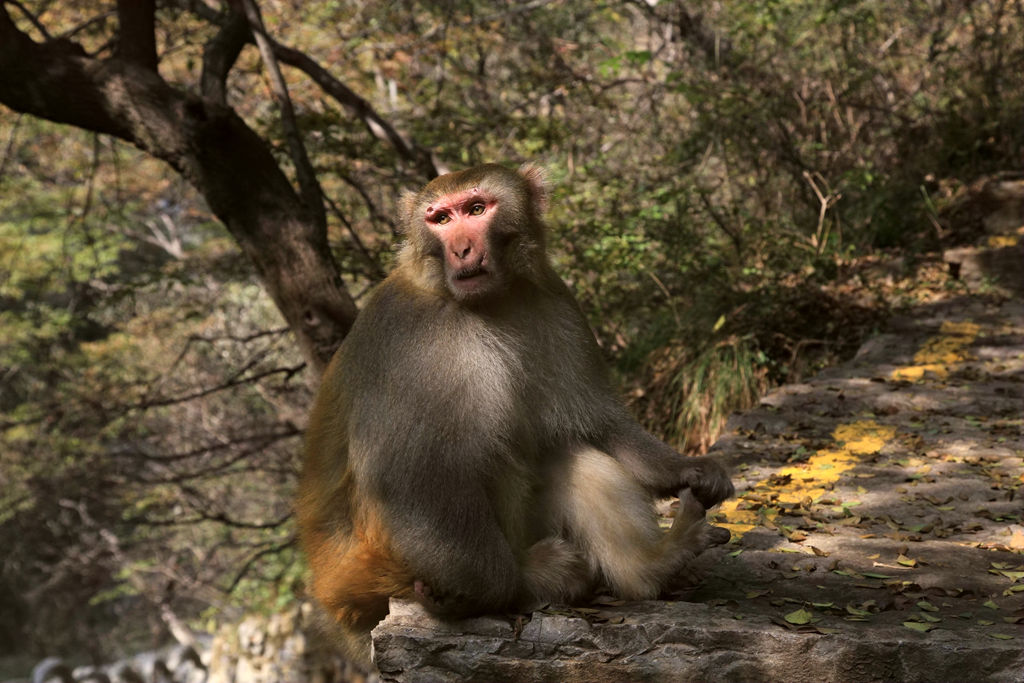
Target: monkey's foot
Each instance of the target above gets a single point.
(691, 523)
(554, 571)
(450, 605)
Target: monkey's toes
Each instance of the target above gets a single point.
(690, 509)
(421, 589)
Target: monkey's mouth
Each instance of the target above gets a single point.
(470, 279)
(471, 273)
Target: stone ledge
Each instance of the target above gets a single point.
(674, 641)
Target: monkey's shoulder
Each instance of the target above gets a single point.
(396, 305)
(404, 333)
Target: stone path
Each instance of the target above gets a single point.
(880, 504)
(878, 529)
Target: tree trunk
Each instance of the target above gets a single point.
(211, 146)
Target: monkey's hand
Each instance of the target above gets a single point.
(708, 480)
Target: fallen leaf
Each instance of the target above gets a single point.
(906, 561)
(799, 617)
(927, 606)
(918, 626)
(847, 572)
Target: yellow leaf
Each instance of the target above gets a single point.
(906, 561)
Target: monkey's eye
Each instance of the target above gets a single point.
(442, 218)
(476, 210)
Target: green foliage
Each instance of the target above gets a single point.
(114, 484)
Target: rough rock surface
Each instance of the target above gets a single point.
(675, 641)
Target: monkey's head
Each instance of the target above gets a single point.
(473, 233)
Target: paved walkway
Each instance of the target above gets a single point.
(881, 501)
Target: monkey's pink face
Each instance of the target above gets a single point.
(461, 222)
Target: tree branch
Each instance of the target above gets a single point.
(377, 125)
(213, 148)
(346, 97)
(136, 40)
(309, 188)
(33, 19)
(219, 55)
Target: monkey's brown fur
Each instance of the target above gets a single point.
(466, 449)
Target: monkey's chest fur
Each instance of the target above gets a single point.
(482, 400)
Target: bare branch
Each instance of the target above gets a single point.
(344, 95)
(379, 127)
(261, 441)
(356, 240)
(309, 188)
(31, 18)
(287, 372)
(270, 549)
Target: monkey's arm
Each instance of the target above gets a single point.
(662, 469)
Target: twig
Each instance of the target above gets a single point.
(312, 195)
(827, 201)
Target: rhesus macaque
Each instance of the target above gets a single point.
(466, 448)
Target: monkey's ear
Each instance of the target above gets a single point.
(536, 180)
(406, 209)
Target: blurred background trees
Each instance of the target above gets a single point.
(718, 169)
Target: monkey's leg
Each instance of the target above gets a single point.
(553, 571)
(612, 517)
(353, 577)
(689, 536)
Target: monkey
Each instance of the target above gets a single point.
(466, 448)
